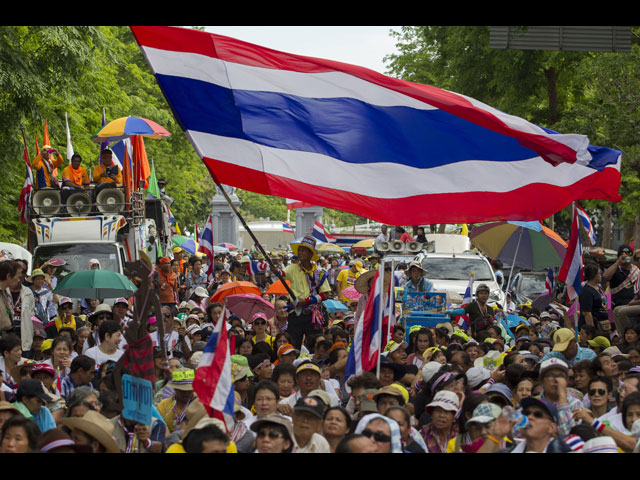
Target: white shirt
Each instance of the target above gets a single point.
(326, 386)
(614, 419)
(100, 357)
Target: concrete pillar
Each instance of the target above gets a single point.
(305, 218)
(225, 222)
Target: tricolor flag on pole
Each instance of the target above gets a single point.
(586, 223)
(548, 282)
(571, 270)
(206, 247)
(213, 382)
(325, 132)
(366, 345)
(320, 233)
(287, 228)
(463, 320)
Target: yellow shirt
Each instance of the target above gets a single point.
(346, 278)
(178, 448)
(298, 280)
(100, 169)
(42, 177)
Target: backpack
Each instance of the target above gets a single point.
(39, 310)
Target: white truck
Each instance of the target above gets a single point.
(107, 228)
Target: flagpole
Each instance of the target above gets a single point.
(380, 288)
(392, 305)
(576, 313)
(257, 243)
(513, 263)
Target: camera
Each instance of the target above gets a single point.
(113, 170)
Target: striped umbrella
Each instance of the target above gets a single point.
(126, 127)
(525, 244)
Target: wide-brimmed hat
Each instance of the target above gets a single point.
(8, 407)
(38, 273)
(182, 379)
(417, 265)
(362, 282)
(491, 360)
(55, 438)
(96, 426)
(201, 292)
(278, 420)
(308, 242)
(238, 372)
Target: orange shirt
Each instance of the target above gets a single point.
(79, 176)
(42, 175)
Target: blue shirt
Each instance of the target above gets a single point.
(424, 285)
(583, 354)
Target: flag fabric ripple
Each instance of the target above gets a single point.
(571, 271)
(346, 137)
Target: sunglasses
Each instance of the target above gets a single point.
(535, 413)
(377, 436)
(271, 435)
(597, 391)
(259, 322)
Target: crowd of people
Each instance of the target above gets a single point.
(533, 387)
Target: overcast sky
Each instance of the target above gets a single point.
(358, 45)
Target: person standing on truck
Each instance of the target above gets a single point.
(74, 178)
(43, 167)
(480, 314)
(166, 282)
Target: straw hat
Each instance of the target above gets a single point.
(308, 242)
(96, 426)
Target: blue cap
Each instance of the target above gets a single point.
(542, 403)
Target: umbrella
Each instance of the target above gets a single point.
(331, 248)
(352, 293)
(126, 127)
(228, 246)
(234, 288)
(333, 306)
(525, 244)
(185, 243)
(95, 284)
(277, 288)
(366, 243)
(217, 249)
(245, 305)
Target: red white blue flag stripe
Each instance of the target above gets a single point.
(205, 245)
(320, 233)
(213, 381)
(588, 226)
(346, 137)
(287, 228)
(571, 272)
(548, 282)
(463, 320)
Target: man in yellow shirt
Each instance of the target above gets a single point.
(310, 285)
(74, 177)
(346, 278)
(106, 174)
(44, 165)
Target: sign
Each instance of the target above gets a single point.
(425, 302)
(137, 395)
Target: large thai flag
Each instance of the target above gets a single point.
(367, 342)
(205, 245)
(571, 272)
(213, 382)
(346, 137)
(319, 233)
(586, 223)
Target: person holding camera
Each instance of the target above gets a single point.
(44, 167)
(107, 174)
(623, 278)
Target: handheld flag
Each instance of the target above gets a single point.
(571, 270)
(256, 267)
(586, 223)
(463, 320)
(349, 138)
(213, 382)
(548, 282)
(287, 228)
(206, 246)
(318, 232)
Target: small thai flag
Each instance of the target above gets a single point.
(571, 270)
(548, 283)
(463, 320)
(287, 228)
(256, 267)
(319, 233)
(586, 223)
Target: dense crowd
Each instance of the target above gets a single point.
(532, 387)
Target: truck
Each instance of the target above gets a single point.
(108, 227)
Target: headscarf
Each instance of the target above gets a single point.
(394, 428)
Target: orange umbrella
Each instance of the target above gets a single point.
(278, 288)
(234, 288)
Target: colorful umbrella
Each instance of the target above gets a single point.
(245, 305)
(352, 293)
(185, 243)
(334, 306)
(229, 246)
(525, 244)
(126, 127)
(366, 243)
(217, 250)
(234, 288)
(331, 249)
(277, 288)
(95, 284)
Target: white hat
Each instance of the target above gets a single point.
(429, 370)
(600, 445)
(445, 399)
(477, 375)
(201, 292)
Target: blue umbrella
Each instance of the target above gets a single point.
(515, 320)
(333, 306)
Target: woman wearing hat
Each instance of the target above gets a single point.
(443, 427)
(173, 409)
(274, 434)
(93, 430)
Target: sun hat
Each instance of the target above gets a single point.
(491, 360)
(201, 292)
(614, 351)
(444, 399)
(308, 242)
(271, 419)
(37, 273)
(56, 438)
(182, 379)
(393, 390)
(8, 407)
(362, 282)
(238, 372)
(96, 426)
